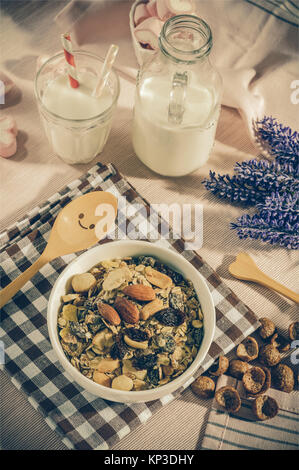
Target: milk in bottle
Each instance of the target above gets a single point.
(177, 100)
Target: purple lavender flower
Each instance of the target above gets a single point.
(276, 223)
(280, 141)
(273, 187)
(253, 181)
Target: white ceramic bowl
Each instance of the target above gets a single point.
(119, 249)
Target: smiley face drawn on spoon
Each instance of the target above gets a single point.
(81, 216)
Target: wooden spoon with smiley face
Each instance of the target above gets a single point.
(79, 225)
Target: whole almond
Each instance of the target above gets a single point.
(127, 310)
(157, 279)
(151, 308)
(109, 313)
(140, 292)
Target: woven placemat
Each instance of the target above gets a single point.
(83, 420)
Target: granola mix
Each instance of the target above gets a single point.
(131, 323)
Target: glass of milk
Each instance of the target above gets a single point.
(177, 100)
(76, 123)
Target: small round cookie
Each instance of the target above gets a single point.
(269, 355)
(267, 329)
(266, 384)
(280, 342)
(228, 398)
(203, 387)
(248, 350)
(294, 331)
(253, 380)
(237, 368)
(220, 366)
(283, 378)
(264, 407)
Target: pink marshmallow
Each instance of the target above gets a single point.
(148, 32)
(180, 7)
(6, 84)
(140, 13)
(163, 11)
(152, 8)
(8, 133)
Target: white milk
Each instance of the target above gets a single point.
(76, 141)
(174, 150)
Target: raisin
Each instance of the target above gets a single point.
(136, 334)
(170, 317)
(147, 361)
(119, 348)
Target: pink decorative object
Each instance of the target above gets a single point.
(163, 11)
(152, 8)
(180, 7)
(8, 133)
(141, 13)
(6, 84)
(148, 32)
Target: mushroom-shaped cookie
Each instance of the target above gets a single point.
(267, 329)
(280, 342)
(269, 355)
(283, 378)
(248, 350)
(220, 366)
(237, 368)
(264, 407)
(294, 331)
(228, 398)
(266, 384)
(253, 380)
(203, 387)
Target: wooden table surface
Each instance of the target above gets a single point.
(35, 173)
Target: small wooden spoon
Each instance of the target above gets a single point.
(245, 268)
(78, 226)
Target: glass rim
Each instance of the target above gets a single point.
(188, 21)
(77, 121)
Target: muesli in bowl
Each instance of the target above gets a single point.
(131, 323)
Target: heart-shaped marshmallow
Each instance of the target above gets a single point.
(148, 31)
(152, 8)
(163, 11)
(140, 13)
(180, 7)
(8, 133)
(6, 84)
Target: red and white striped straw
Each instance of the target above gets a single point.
(70, 59)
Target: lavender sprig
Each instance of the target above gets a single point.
(253, 181)
(276, 223)
(229, 187)
(280, 141)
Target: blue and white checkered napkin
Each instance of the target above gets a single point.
(83, 420)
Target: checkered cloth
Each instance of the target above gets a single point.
(241, 431)
(83, 420)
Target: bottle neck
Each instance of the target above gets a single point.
(186, 39)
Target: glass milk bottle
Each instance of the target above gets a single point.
(177, 101)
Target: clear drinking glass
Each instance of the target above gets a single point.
(177, 100)
(75, 140)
